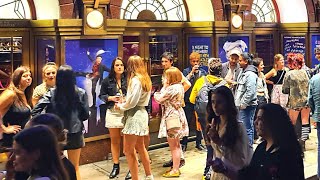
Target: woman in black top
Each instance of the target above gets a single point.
(15, 104)
(113, 89)
(279, 156)
(70, 103)
(275, 77)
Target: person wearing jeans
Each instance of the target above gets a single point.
(314, 104)
(246, 93)
(192, 73)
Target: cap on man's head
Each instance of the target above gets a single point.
(234, 51)
(317, 50)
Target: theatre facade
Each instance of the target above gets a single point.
(73, 32)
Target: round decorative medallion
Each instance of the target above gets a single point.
(236, 21)
(95, 19)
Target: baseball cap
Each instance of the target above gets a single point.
(235, 51)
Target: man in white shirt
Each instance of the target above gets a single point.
(231, 69)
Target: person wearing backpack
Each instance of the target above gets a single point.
(199, 97)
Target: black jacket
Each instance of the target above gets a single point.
(78, 115)
(109, 88)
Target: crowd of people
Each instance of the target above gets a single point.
(229, 102)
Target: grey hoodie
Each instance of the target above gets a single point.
(246, 92)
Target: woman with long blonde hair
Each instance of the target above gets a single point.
(136, 116)
(275, 77)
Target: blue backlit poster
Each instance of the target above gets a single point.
(229, 43)
(202, 45)
(294, 44)
(315, 42)
(81, 55)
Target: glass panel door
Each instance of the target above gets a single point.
(10, 58)
(130, 46)
(159, 44)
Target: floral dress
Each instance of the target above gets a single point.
(171, 99)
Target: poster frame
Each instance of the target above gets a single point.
(63, 61)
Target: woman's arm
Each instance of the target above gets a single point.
(6, 100)
(270, 73)
(163, 95)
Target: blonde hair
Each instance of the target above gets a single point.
(277, 58)
(194, 55)
(47, 66)
(136, 67)
(173, 75)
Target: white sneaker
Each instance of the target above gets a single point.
(150, 177)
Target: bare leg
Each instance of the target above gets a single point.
(293, 114)
(174, 145)
(74, 157)
(129, 150)
(144, 156)
(115, 144)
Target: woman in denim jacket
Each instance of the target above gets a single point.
(113, 89)
(246, 93)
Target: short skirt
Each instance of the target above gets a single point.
(136, 121)
(114, 118)
(74, 141)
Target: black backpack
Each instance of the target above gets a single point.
(202, 96)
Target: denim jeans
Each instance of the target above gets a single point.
(318, 134)
(247, 116)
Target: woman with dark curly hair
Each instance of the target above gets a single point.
(228, 136)
(279, 156)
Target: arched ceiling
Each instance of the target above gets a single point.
(291, 11)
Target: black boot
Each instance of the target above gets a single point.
(115, 171)
(128, 176)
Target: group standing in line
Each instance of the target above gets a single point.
(227, 124)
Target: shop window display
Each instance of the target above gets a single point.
(10, 58)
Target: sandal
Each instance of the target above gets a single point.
(170, 173)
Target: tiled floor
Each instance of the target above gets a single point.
(195, 162)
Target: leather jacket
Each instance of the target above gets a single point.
(109, 88)
(78, 115)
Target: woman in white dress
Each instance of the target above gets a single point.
(135, 116)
